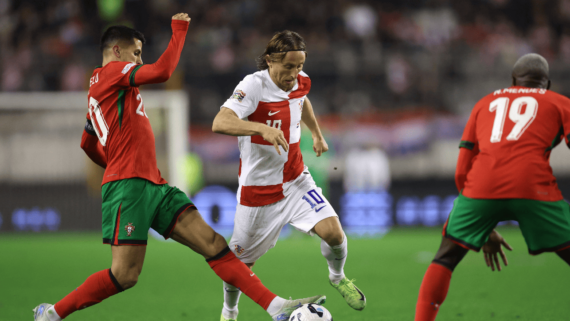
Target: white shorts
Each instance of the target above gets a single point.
(256, 229)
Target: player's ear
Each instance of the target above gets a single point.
(268, 60)
(116, 51)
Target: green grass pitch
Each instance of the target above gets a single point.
(176, 284)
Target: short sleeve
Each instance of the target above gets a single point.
(469, 137)
(245, 97)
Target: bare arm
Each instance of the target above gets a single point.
(308, 117)
(228, 123)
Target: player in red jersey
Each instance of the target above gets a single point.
(119, 138)
(503, 174)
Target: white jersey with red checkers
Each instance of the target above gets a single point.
(265, 177)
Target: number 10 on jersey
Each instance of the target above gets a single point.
(521, 120)
(276, 123)
(99, 124)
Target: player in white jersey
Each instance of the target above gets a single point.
(275, 187)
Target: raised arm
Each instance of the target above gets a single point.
(161, 70)
(90, 144)
(228, 123)
(308, 117)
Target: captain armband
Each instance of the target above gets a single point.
(466, 144)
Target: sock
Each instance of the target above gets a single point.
(231, 299)
(432, 292)
(233, 271)
(52, 314)
(336, 257)
(95, 289)
(275, 305)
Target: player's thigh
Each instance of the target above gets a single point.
(257, 229)
(172, 203)
(544, 225)
(472, 220)
(128, 209)
(191, 230)
(127, 263)
(310, 209)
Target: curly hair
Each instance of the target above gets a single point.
(278, 46)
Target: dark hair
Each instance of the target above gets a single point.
(121, 33)
(278, 46)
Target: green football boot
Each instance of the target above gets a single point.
(351, 294)
(291, 305)
(224, 319)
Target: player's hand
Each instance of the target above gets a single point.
(320, 146)
(493, 246)
(275, 136)
(181, 16)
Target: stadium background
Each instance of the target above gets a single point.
(391, 78)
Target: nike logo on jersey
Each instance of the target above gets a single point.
(320, 208)
(271, 114)
(252, 274)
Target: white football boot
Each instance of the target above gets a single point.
(41, 312)
(292, 305)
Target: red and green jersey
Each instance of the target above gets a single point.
(118, 117)
(510, 134)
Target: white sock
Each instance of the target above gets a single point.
(52, 314)
(231, 298)
(336, 257)
(275, 305)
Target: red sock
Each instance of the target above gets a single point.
(95, 289)
(233, 271)
(432, 292)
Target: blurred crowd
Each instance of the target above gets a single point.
(363, 56)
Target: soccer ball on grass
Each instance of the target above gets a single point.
(309, 312)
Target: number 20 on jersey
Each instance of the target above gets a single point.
(522, 120)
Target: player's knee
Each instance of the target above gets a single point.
(217, 245)
(333, 237)
(449, 254)
(129, 280)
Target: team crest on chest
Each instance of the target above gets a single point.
(130, 228)
(238, 95)
(239, 250)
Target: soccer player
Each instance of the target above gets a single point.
(502, 174)
(275, 188)
(118, 137)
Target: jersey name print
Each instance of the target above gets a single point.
(513, 131)
(264, 175)
(116, 110)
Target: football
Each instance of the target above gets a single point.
(311, 312)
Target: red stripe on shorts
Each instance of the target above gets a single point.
(118, 223)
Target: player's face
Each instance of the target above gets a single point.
(132, 52)
(284, 73)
